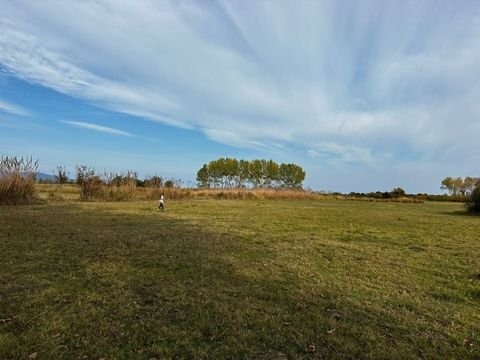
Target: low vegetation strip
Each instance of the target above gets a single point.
(239, 279)
(72, 192)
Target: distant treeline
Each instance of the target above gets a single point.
(459, 190)
(228, 173)
(399, 193)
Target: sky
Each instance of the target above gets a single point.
(365, 95)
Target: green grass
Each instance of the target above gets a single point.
(239, 279)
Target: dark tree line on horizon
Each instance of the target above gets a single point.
(228, 173)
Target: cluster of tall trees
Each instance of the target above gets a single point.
(459, 186)
(233, 173)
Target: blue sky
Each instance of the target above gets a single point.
(365, 95)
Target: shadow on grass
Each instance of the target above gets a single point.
(98, 282)
(464, 213)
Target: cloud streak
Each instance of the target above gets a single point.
(368, 82)
(95, 127)
(10, 108)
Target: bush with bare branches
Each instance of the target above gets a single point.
(90, 184)
(60, 175)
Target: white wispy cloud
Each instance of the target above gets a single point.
(96, 127)
(12, 108)
(367, 82)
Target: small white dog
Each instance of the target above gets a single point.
(161, 204)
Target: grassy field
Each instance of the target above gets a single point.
(239, 279)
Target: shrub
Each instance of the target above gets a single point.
(60, 175)
(153, 182)
(397, 193)
(169, 184)
(120, 187)
(17, 180)
(90, 185)
(473, 205)
(107, 187)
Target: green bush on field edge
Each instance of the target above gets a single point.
(473, 205)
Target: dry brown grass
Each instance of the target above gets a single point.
(257, 194)
(227, 194)
(168, 193)
(17, 180)
(58, 188)
(121, 193)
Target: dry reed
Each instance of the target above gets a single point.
(17, 180)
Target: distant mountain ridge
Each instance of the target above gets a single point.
(44, 177)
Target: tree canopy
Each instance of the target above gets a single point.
(233, 173)
(459, 186)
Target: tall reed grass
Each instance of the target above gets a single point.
(129, 192)
(119, 187)
(17, 180)
(108, 186)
